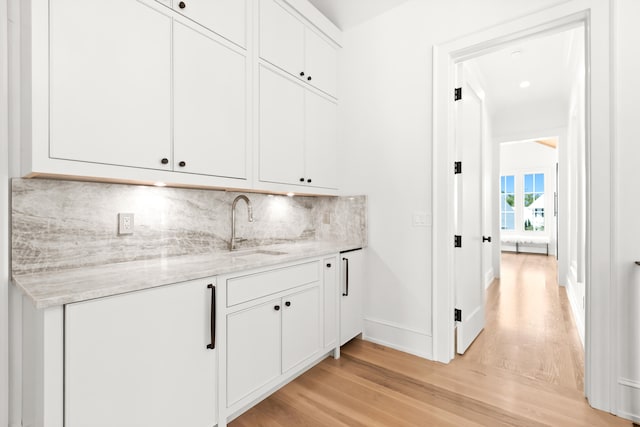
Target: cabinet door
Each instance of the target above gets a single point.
(253, 349)
(281, 129)
(330, 308)
(352, 295)
(141, 359)
(225, 17)
(210, 109)
(321, 63)
(281, 38)
(300, 327)
(110, 83)
(321, 141)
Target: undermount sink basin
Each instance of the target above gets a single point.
(256, 252)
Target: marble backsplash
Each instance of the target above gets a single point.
(69, 224)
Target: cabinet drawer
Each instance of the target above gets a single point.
(246, 288)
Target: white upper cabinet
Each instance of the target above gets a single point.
(281, 38)
(210, 114)
(297, 134)
(286, 42)
(321, 63)
(321, 141)
(225, 17)
(110, 83)
(281, 129)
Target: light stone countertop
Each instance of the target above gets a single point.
(61, 287)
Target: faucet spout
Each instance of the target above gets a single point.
(234, 239)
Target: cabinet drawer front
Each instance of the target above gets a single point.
(246, 288)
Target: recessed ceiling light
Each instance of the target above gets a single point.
(516, 53)
(525, 84)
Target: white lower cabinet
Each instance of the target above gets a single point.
(268, 340)
(141, 359)
(253, 349)
(352, 294)
(331, 301)
(300, 327)
(274, 330)
(194, 354)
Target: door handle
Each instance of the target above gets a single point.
(486, 239)
(213, 317)
(346, 292)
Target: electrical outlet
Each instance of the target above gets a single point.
(326, 218)
(125, 223)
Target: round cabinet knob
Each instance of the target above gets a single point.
(164, 161)
(309, 180)
(276, 308)
(309, 78)
(301, 179)
(301, 73)
(182, 5)
(182, 164)
(288, 303)
(329, 265)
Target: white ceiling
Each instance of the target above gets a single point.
(346, 14)
(544, 62)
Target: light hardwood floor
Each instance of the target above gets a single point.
(525, 369)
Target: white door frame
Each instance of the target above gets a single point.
(601, 290)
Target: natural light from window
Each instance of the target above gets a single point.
(533, 213)
(507, 203)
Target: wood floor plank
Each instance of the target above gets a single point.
(525, 369)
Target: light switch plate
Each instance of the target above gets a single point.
(421, 219)
(125, 223)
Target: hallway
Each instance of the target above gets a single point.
(525, 369)
(529, 326)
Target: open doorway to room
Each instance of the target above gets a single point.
(533, 209)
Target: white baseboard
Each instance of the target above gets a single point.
(398, 337)
(489, 277)
(576, 311)
(629, 399)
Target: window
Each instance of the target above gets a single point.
(533, 213)
(507, 203)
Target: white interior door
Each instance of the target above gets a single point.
(469, 283)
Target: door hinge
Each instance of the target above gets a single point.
(457, 94)
(457, 315)
(457, 167)
(457, 241)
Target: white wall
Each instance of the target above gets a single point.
(528, 121)
(4, 218)
(386, 147)
(627, 205)
(519, 158)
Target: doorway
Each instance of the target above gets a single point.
(533, 88)
(600, 345)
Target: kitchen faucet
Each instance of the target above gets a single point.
(234, 240)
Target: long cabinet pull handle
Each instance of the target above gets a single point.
(346, 292)
(213, 317)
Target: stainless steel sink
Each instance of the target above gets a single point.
(253, 255)
(257, 252)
